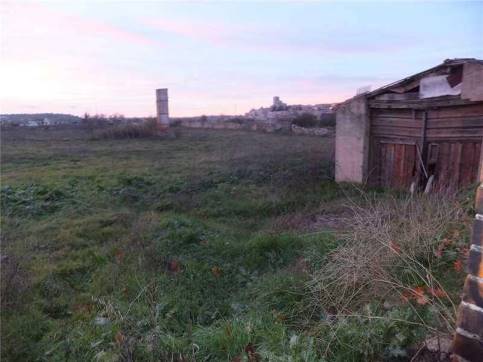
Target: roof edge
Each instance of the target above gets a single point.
(446, 62)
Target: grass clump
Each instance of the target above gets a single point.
(31, 200)
(371, 335)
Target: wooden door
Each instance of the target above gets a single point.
(395, 164)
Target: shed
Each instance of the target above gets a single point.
(428, 124)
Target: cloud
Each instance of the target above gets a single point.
(272, 37)
(44, 28)
(216, 33)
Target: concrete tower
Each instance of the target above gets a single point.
(162, 106)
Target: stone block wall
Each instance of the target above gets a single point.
(468, 339)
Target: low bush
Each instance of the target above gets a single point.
(148, 129)
(306, 120)
(309, 120)
(394, 253)
(327, 120)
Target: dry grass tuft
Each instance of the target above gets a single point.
(390, 253)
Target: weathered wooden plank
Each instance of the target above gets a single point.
(397, 96)
(420, 104)
(455, 164)
(469, 110)
(398, 140)
(410, 164)
(373, 170)
(392, 113)
(460, 133)
(390, 164)
(386, 165)
(449, 138)
(398, 167)
(382, 165)
(467, 174)
(442, 170)
(479, 163)
(396, 122)
(404, 168)
(395, 131)
(468, 122)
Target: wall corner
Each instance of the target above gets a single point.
(352, 141)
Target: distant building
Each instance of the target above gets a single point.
(278, 105)
(280, 111)
(32, 124)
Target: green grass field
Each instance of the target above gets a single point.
(199, 247)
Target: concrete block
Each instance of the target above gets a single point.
(468, 348)
(479, 200)
(472, 86)
(473, 292)
(475, 263)
(470, 319)
(477, 233)
(352, 141)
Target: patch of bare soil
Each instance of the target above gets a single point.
(333, 219)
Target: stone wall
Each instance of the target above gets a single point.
(278, 117)
(230, 122)
(311, 131)
(248, 124)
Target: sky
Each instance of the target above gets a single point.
(219, 57)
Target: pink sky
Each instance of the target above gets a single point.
(217, 58)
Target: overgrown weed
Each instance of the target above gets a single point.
(396, 253)
(148, 129)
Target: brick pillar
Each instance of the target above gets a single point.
(468, 339)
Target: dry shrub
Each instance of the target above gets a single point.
(390, 248)
(149, 128)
